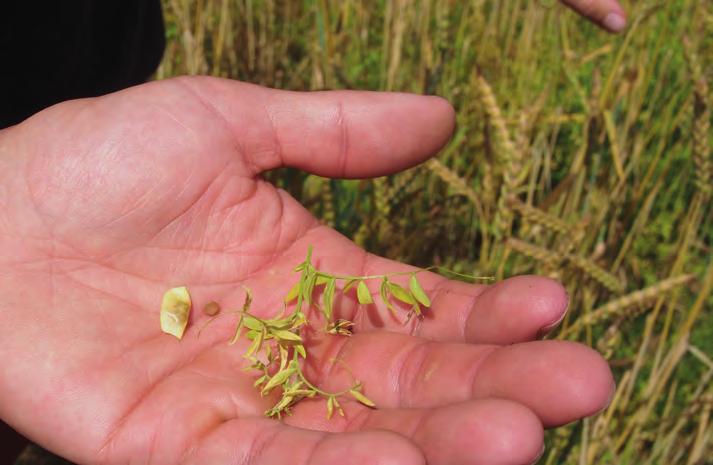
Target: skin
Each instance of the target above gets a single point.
(108, 202)
(598, 11)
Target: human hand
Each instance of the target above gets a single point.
(108, 202)
(606, 13)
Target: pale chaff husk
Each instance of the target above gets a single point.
(175, 310)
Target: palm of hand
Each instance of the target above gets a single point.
(108, 202)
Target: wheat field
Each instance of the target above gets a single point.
(578, 155)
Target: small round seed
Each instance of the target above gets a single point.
(211, 308)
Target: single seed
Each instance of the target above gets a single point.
(212, 308)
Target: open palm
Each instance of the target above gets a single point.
(108, 202)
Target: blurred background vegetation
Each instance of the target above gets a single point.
(578, 155)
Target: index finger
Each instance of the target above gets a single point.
(517, 309)
(606, 13)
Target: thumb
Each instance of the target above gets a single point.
(348, 134)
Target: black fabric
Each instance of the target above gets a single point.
(11, 444)
(52, 51)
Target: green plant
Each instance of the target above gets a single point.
(277, 343)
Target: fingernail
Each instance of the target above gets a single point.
(612, 393)
(545, 330)
(614, 22)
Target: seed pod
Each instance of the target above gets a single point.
(212, 308)
(175, 309)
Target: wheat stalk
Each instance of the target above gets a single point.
(401, 182)
(328, 213)
(552, 258)
(507, 153)
(622, 304)
(602, 276)
(608, 343)
(457, 183)
(701, 122)
(537, 216)
(541, 254)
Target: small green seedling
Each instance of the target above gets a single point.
(277, 345)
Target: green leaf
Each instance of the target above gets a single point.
(349, 284)
(416, 309)
(241, 322)
(290, 388)
(248, 299)
(303, 392)
(238, 331)
(278, 323)
(299, 348)
(401, 294)
(283, 356)
(255, 346)
(338, 407)
(296, 320)
(329, 298)
(363, 294)
(384, 291)
(252, 334)
(283, 403)
(293, 294)
(362, 398)
(330, 407)
(252, 323)
(279, 378)
(257, 365)
(418, 291)
(308, 288)
(321, 279)
(286, 335)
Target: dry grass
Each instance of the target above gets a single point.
(578, 155)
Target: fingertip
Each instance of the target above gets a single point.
(561, 381)
(517, 309)
(596, 378)
(614, 22)
(426, 124)
(486, 431)
(588, 385)
(516, 433)
(444, 115)
(608, 14)
(555, 302)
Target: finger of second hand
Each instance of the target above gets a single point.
(607, 13)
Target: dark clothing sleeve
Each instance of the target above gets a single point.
(59, 50)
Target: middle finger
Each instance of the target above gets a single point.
(560, 381)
